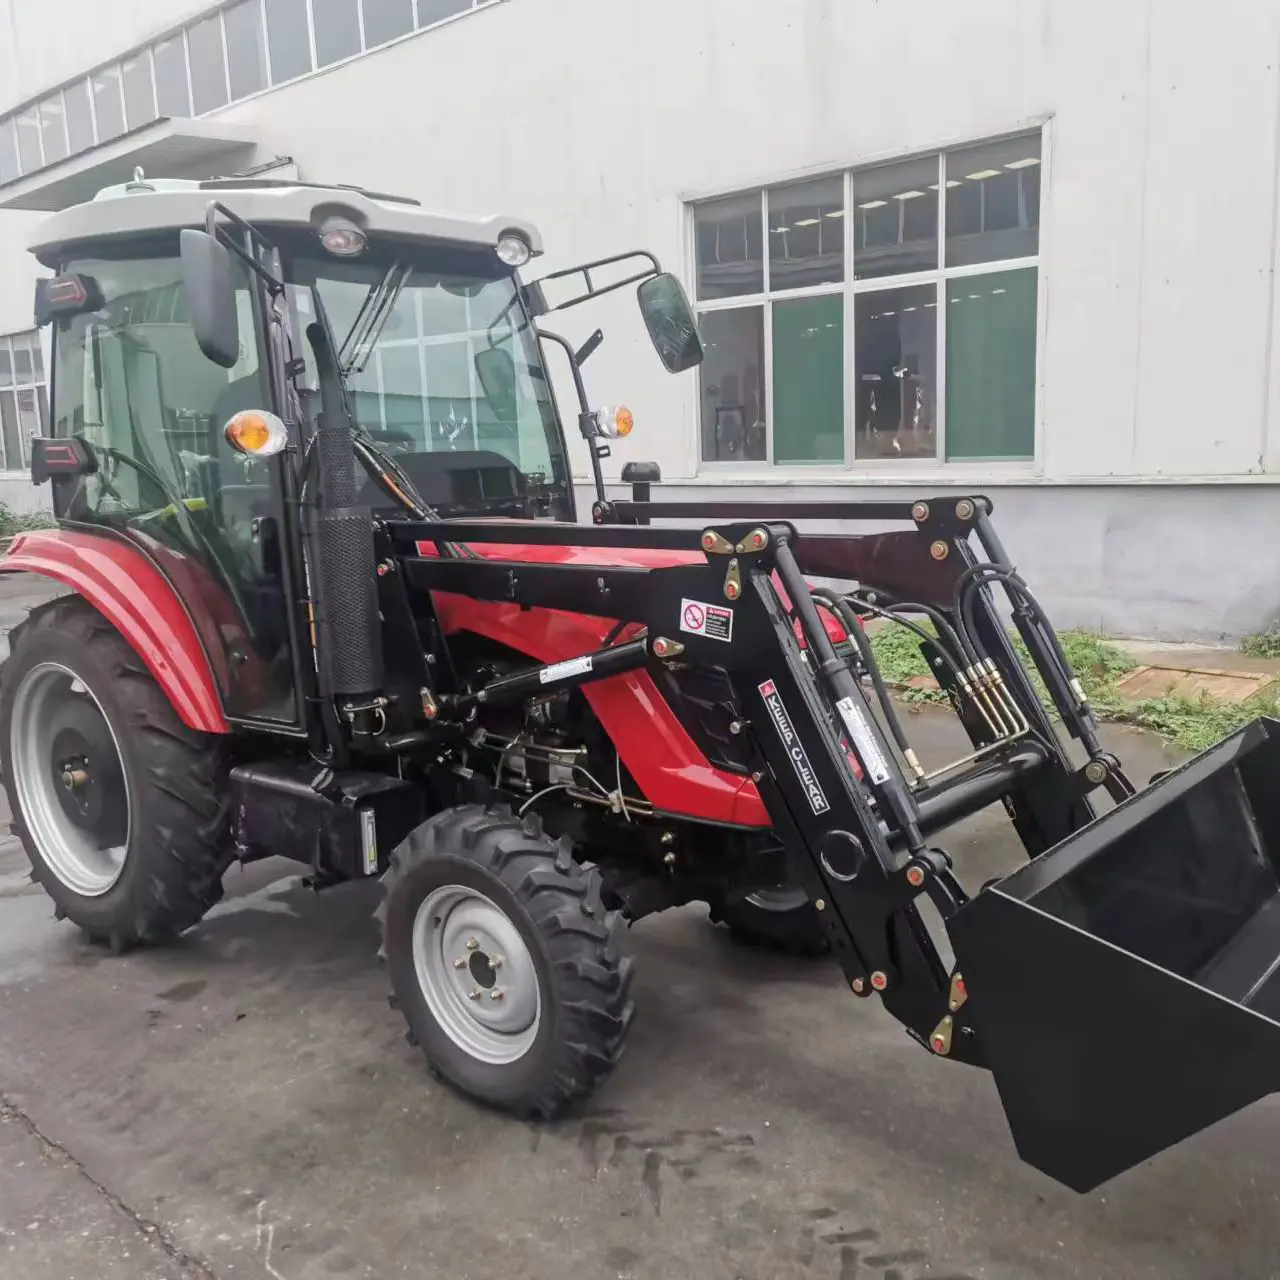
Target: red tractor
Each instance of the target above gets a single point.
(329, 600)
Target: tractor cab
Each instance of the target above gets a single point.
(204, 332)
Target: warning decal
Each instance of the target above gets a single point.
(796, 753)
(711, 620)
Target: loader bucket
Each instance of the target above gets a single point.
(1125, 985)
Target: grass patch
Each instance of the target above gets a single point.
(1191, 723)
(12, 522)
(1262, 644)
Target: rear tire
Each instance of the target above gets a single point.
(136, 850)
(474, 886)
(778, 919)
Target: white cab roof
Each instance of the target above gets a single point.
(157, 204)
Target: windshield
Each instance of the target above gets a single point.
(418, 391)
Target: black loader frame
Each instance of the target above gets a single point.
(857, 839)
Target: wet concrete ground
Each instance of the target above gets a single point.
(244, 1105)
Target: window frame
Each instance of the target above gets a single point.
(932, 469)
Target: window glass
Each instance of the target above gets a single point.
(731, 379)
(132, 379)
(895, 218)
(808, 380)
(12, 434)
(385, 20)
(208, 70)
(6, 365)
(246, 58)
(896, 372)
(337, 30)
(8, 151)
(53, 128)
(139, 92)
(28, 125)
(287, 39)
(806, 234)
(730, 258)
(430, 11)
(75, 98)
(169, 59)
(993, 202)
(108, 105)
(991, 365)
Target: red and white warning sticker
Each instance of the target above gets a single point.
(711, 620)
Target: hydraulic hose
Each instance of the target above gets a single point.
(849, 620)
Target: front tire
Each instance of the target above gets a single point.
(504, 961)
(776, 919)
(120, 807)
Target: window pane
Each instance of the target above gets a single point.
(208, 73)
(108, 108)
(287, 39)
(449, 403)
(28, 123)
(12, 435)
(386, 19)
(139, 94)
(993, 202)
(731, 379)
(21, 358)
(8, 151)
(991, 365)
(895, 346)
(729, 254)
(806, 234)
(53, 126)
(337, 30)
(404, 410)
(169, 59)
(28, 423)
(895, 219)
(246, 59)
(6, 365)
(75, 98)
(430, 11)
(808, 380)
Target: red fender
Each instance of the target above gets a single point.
(135, 597)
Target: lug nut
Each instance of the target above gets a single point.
(879, 980)
(495, 962)
(915, 876)
(460, 962)
(474, 993)
(472, 944)
(496, 993)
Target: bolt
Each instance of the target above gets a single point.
(939, 1043)
(758, 539)
(858, 986)
(474, 994)
(495, 962)
(496, 993)
(879, 980)
(938, 550)
(731, 590)
(460, 962)
(1096, 771)
(668, 837)
(821, 904)
(915, 876)
(735, 726)
(964, 509)
(920, 511)
(669, 859)
(708, 541)
(472, 944)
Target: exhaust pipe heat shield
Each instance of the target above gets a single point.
(1125, 985)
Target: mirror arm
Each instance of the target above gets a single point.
(584, 408)
(220, 233)
(585, 270)
(588, 348)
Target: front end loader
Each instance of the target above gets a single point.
(330, 600)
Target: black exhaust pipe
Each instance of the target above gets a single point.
(348, 628)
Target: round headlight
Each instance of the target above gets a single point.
(342, 238)
(513, 249)
(256, 433)
(614, 423)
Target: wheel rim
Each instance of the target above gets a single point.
(477, 974)
(780, 898)
(69, 779)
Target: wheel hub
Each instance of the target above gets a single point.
(69, 779)
(476, 974)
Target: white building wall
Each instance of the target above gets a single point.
(1159, 363)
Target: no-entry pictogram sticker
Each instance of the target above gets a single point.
(714, 621)
(695, 616)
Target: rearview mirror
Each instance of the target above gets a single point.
(497, 373)
(208, 278)
(669, 319)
